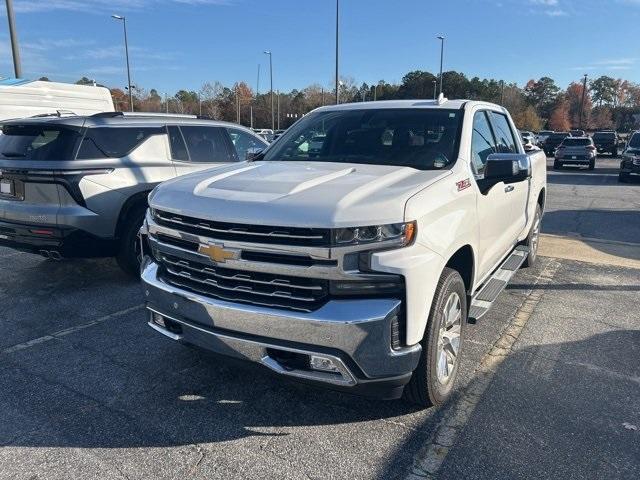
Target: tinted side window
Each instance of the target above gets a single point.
(243, 141)
(114, 142)
(504, 136)
(206, 144)
(176, 142)
(483, 143)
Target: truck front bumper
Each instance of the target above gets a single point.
(345, 344)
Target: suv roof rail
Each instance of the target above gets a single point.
(58, 113)
(141, 114)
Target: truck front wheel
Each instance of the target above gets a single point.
(433, 379)
(533, 239)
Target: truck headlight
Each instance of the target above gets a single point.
(405, 232)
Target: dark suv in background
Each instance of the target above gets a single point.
(630, 164)
(553, 141)
(606, 142)
(77, 186)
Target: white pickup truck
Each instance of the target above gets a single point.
(355, 264)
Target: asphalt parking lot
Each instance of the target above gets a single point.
(549, 385)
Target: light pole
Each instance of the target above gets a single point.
(337, 44)
(273, 118)
(434, 88)
(17, 66)
(441, 38)
(126, 51)
(584, 93)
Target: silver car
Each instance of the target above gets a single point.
(78, 186)
(579, 151)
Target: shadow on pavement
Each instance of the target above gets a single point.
(614, 225)
(554, 411)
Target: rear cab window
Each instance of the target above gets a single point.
(38, 142)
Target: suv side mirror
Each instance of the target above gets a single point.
(506, 168)
(253, 152)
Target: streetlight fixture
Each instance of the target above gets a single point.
(273, 118)
(441, 38)
(126, 50)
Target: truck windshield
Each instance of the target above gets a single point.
(424, 139)
(32, 142)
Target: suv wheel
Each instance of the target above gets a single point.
(533, 239)
(614, 152)
(433, 379)
(592, 164)
(557, 165)
(128, 256)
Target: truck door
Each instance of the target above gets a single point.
(495, 212)
(518, 191)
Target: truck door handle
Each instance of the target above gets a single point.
(509, 188)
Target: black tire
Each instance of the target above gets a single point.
(614, 153)
(128, 256)
(425, 389)
(557, 165)
(533, 239)
(592, 164)
(623, 178)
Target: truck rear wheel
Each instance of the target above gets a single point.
(128, 256)
(433, 379)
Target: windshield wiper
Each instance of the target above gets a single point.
(13, 154)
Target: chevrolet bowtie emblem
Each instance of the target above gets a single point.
(217, 253)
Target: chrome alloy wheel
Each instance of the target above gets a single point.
(535, 235)
(449, 338)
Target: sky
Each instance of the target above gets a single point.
(178, 44)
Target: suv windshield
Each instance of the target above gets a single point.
(576, 142)
(604, 136)
(424, 139)
(37, 142)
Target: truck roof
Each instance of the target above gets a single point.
(418, 103)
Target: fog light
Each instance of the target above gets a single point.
(322, 363)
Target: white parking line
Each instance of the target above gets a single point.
(68, 331)
(432, 455)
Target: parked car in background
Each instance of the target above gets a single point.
(528, 145)
(577, 133)
(606, 142)
(576, 151)
(77, 186)
(553, 141)
(630, 164)
(25, 98)
(528, 135)
(356, 265)
(541, 137)
(265, 133)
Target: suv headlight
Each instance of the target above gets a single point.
(404, 232)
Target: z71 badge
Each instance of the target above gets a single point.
(462, 184)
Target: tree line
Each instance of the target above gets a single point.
(607, 103)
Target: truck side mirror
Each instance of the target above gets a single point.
(506, 168)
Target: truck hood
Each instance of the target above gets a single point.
(308, 194)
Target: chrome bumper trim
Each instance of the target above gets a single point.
(357, 329)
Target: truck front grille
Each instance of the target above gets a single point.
(256, 288)
(246, 233)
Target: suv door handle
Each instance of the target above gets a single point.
(509, 188)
